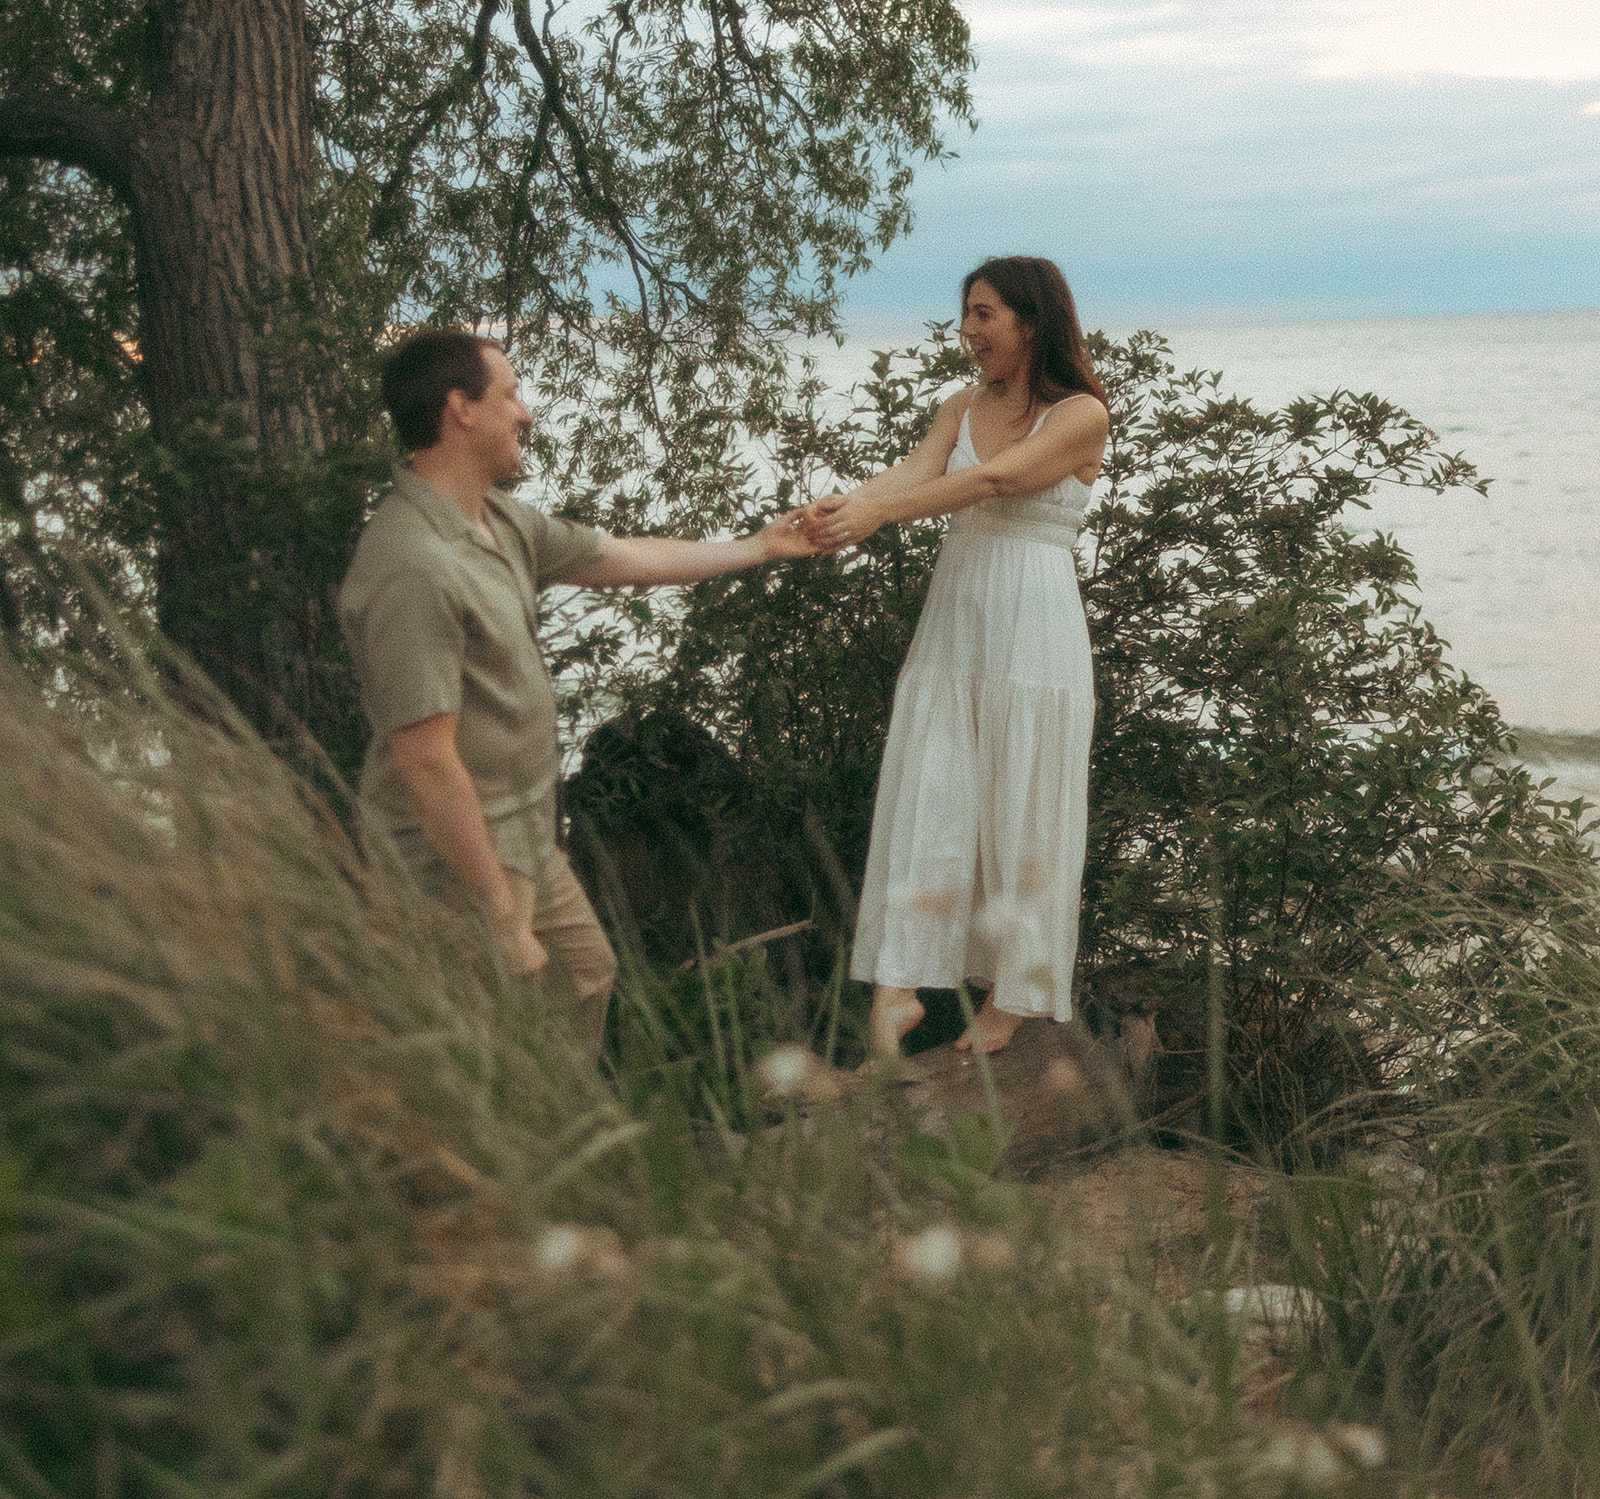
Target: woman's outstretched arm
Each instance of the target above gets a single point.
(923, 463)
(1070, 439)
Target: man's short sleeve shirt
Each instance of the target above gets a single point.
(441, 618)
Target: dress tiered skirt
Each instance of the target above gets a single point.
(979, 827)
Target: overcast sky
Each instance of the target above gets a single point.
(1193, 161)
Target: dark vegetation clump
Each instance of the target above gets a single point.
(1283, 756)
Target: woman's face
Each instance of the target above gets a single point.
(999, 342)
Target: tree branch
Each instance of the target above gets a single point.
(429, 113)
(587, 164)
(100, 141)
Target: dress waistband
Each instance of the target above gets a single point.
(1027, 520)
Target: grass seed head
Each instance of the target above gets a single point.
(933, 1257)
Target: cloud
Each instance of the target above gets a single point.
(1189, 158)
(1554, 40)
(1551, 40)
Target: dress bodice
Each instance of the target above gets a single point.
(1054, 515)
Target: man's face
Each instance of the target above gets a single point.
(498, 419)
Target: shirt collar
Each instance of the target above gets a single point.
(438, 509)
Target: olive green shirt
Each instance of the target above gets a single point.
(440, 619)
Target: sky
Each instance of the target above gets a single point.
(1227, 161)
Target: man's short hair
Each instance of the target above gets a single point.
(422, 371)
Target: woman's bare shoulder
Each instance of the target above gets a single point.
(956, 406)
(1082, 411)
(946, 426)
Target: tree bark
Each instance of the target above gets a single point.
(220, 198)
(226, 263)
(217, 175)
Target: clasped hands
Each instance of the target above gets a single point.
(825, 525)
(838, 520)
(835, 521)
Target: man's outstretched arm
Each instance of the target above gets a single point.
(631, 560)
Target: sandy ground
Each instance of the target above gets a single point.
(1148, 1212)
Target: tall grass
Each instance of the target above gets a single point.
(1461, 1277)
(299, 1196)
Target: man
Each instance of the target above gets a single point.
(440, 609)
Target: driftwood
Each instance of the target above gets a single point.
(1058, 1088)
(713, 960)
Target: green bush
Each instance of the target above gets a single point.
(795, 668)
(1283, 754)
(1282, 751)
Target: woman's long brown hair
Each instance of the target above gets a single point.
(1037, 292)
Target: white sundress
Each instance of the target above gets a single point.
(978, 832)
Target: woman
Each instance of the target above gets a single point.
(978, 832)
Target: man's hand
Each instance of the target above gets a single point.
(534, 955)
(446, 802)
(786, 536)
(812, 517)
(520, 950)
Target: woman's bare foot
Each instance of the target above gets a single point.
(991, 1030)
(894, 1012)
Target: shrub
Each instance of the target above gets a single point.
(1283, 754)
(1282, 749)
(795, 667)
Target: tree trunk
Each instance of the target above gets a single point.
(220, 188)
(253, 526)
(224, 232)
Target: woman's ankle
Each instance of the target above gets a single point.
(895, 1012)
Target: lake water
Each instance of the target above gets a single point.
(1511, 580)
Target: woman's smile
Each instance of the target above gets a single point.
(995, 337)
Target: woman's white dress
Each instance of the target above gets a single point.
(978, 832)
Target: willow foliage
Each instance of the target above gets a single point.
(645, 200)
